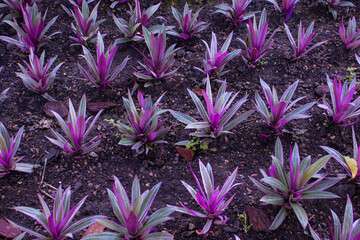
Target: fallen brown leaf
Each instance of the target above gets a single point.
(94, 228)
(57, 106)
(7, 230)
(97, 106)
(188, 154)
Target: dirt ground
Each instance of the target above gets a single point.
(91, 175)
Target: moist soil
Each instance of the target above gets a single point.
(245, 149)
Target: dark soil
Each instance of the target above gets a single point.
(91, 175)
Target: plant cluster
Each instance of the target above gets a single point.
(145, 128)
(8, 148)
(287, 6)
(86, 25)
(30, 33)
(139, 19)
(100, 75)
(236, 13)
(159, 66)
(36, 76)
(210, 198)
(256, 45)
(133, 214)
(215, 61)
(303, 41)
(277, 117)
(217, 118)
(289, 188)
(350, 36)
(188, 22)
(16, 6)
(76, 131)
(58, 222)
(341, 110)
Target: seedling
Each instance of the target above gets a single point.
(244, 221)
(351, 75)
(194, 144)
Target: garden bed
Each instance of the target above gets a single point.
(91, 175)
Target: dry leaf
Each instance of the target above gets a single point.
(57, 106)
(188, 154)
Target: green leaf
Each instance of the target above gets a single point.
(157, 218)
(104, 236)
(184, 118)
(313, 169)
(135, 191)
(159, 236)
(199, 106)
(348, 219)
(280, 217)
(318, 195)
(82, 224)
(29, 231)
(300, 214)
(275, 183)
(337, 225)
(273, 199)
(198, 125)
(314, 235)
(113, 226)
(262, 187)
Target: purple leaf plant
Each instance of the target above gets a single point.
(304, 39)
(217, 117)
(3, 93)
(342, 111)
(8, 148)
(133, 214)
(144, 128)
(76, 131)
(256, 45)
(289, 188)
(16, 5)
(333, 4)
(79, 3)
(139, 19)
(349, 230)
(86, 24)
(188, 22)
(158, 67)
(211, 199)
(31, 33)
(350, 37)
(58, 222)
(236, 13)
(116, 2)
(287, 6)
(215, 61)
(350, 164)
(99, 74)
(277, 116)
(36, 76)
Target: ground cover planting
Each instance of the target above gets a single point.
(205, 119)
